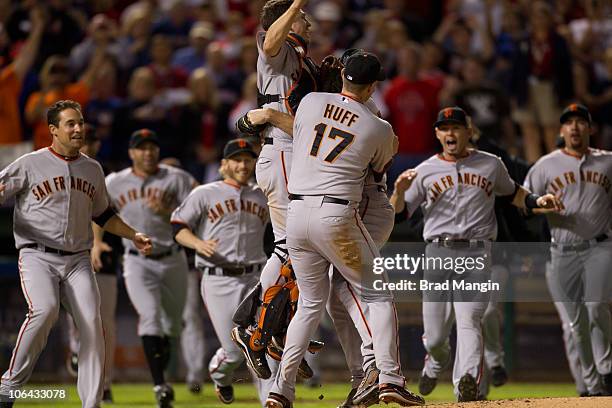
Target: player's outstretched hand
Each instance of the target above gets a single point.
(96, 254)
(143, 243)
(258, 116)
(404, 180)
(548, 203)
(206, 247)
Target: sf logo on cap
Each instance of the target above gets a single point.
(573, 107)
(242, 143)
(448, 112)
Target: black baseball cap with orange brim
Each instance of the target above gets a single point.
(453, 114)
(236, 146)
(143, 135)
(575, 109)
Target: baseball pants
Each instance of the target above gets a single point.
(157, 289)
(46, 280)
(222, 295)
(442, 309)
(319, 235)
(107, 286)
(583, 284)
(192, 338)
(378, 217)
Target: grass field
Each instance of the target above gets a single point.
(329, 395)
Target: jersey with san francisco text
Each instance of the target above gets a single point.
(458, 197)
(335, 140)
(130, 192)
(583, 185)
(55, 199)
(234, 215)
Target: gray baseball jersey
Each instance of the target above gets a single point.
(584, 187)
(56, 198)
(580, 275)
(46, 187)
(458, 198)
(234, 215)
(129, 193)
(326, 165)
(275, 76)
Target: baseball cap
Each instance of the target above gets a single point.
(451, 115)
(348, 54)
(233, 147)
(575, 109)
(143, 135)
(364, 68)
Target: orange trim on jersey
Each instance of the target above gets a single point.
(364, 235)
(64, 158)
(365, 208)
(350, 97)
(576, 156)
(284, 170)
(441, 157)
(144, 176)
(348, 285)
(232, 183)
(25, 324)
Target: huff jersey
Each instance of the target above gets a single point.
(236, 216)
(129, 194)
(275, 75)
(55, 199)
(583, 186)
(457, 198)
(335, 140)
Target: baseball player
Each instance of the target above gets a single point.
(581, 248)
(282, 68)
(456, 191)
(224, 222)
(378, 217)
(145, 195)
(336, 139)
(105, 262)
(58, 192)
(192, 336)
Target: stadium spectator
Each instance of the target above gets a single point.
(194, 55)
(11, 80)
(55, 85)
(541, 82)
(135, 38)
(166, 75)
(102, 33)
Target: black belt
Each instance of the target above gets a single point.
(268, 140)
(49, 250)
(155, 257)
(265, 99)
(458, 243)
(230, 271)
(326, 199)
(579, 246)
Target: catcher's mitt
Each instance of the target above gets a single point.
(244, 125)
(330, 75)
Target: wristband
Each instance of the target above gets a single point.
(531, 201)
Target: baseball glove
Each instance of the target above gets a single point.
(244, 125)
(330, 77)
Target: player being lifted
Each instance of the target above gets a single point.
(456, 191)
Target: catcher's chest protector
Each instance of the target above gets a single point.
(306, 80)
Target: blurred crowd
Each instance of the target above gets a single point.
(187, 69)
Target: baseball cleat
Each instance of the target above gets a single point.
(164, 394)
(72, 365)
(348, 401)
(499, 376)
(275, 400)
(392, 393)
(607, 383)
(367, 392)
(195, 388)
(225, 394)
(304, 370)
(427, 384)
(107, 396)
(468, 389)
(314, 346)
(256, 360)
